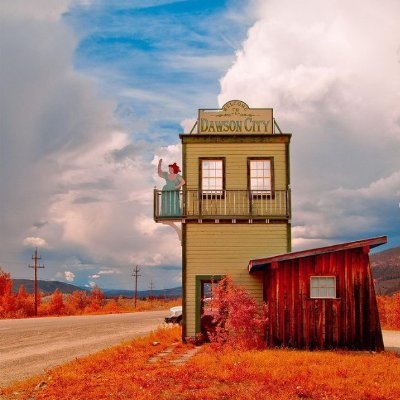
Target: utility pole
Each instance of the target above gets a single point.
(36, 257)
(136, 274)
(151, 286)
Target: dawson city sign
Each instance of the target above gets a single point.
(235, 117)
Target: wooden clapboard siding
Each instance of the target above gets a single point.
(350, 320)
(221, 249)
(236, 155)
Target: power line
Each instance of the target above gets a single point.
(136, 274)
(36, 257)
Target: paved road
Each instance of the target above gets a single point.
(30, 346)
(391, 340)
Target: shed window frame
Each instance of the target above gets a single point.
(255, 192)
(321, 288)
(217, 192)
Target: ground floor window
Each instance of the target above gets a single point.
(323, 287)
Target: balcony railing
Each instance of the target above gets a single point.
(225, 204)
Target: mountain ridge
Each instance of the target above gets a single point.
(49, 287)
(385, 266)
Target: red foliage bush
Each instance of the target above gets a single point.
(389, 311)
(95, 300)
(56, 305)
(7, 298)
(240, 321)
(25, 304)
(76, 302)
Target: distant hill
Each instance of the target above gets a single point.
(385, 267)
(174, 292)
(50, 286)
(45, 286)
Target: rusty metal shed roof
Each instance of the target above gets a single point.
(261, 263)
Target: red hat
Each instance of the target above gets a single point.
(175, 167)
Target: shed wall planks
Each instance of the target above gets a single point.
(350, 320)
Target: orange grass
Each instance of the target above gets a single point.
(123, 373)
(128, 305)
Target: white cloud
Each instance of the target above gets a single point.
(95, 276)
(67, 162)
(169, 154)
(69, 276)
(109, 272)
(40, 10)
(35, 242)
(332, 77)
(188, 124)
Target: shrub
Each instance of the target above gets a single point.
(76, 302)
(389, 311)
(7, 298)
(240, 321)
(95, 300)
(24, 304)
(56, 304)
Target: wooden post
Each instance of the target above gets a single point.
(136, 274)
(35, 257)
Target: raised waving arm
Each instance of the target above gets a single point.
(160, 171)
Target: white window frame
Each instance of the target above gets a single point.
(322, 289)
(212, 177)
(260, 178)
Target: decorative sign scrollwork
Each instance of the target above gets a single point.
(236, 117)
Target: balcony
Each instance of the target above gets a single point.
(193, 204)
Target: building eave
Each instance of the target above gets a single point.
(262, 263)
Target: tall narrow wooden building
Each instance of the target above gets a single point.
(235, 205)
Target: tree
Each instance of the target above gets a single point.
(56, 305)
(76, 302)
(95, 300)
(7, 298)
(5, 283)
(25, 303)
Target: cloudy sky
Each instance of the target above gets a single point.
(93, 92)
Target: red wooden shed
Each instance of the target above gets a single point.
(322, 298)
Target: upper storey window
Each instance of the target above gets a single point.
(260, 175)
(212, 175)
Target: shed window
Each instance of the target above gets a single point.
(212, 176)
(323, 287)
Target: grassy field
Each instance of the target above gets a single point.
(124, 372)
